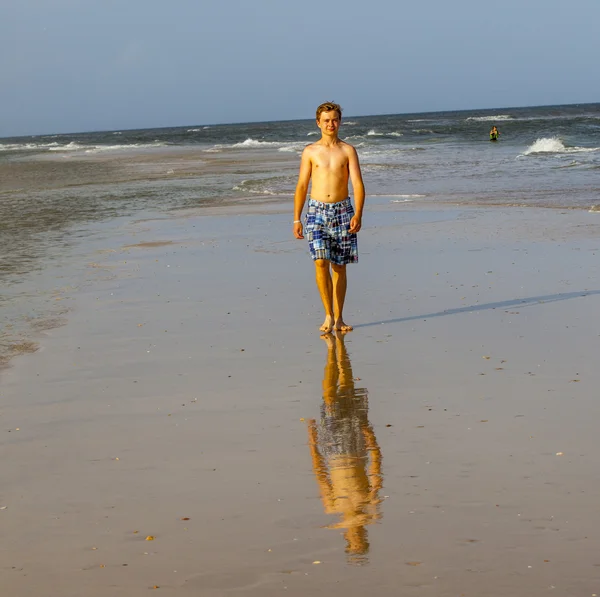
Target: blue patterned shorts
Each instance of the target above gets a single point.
(327, 230)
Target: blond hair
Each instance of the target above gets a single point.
(328, 107)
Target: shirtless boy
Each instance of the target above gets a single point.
(331, 221)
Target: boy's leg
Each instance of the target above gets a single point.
(325, 286)
(340, 283)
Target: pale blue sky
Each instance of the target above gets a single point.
(81, 65)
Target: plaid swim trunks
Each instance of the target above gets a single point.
(327, 230)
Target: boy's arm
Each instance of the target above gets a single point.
(301, 190)
(359, 190)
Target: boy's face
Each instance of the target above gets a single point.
(329, 123)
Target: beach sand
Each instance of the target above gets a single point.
(176, 434)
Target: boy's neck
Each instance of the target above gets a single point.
(329, 140)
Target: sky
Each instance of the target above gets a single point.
(86, 65)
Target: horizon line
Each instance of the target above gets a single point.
(238, 123)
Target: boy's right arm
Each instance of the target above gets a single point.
(301, 190)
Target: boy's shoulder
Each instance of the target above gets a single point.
(311, 146)
(347, 146)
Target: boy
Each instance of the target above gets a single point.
(331, 221)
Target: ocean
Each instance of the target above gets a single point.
(59, 191)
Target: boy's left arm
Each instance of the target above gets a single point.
(359, 190)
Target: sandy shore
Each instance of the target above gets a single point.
(188, 429)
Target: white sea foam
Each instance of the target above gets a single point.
(193, 130)
(98, 148)
(554, 145)
(405, 198)
(493, 118)
(117, 133)
(291, 147)
(349, 123)
(312, 133)
(26, 146)
(249, 142)
(260, 191)
(423, 131)
(384, 151)
(374, 133)
(260, 186)
(72, 146)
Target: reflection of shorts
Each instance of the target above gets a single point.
(327, 230)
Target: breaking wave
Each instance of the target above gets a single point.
(26, 146)
(291, 147)
(374, 133)
(249, 142)
(494, 117)
(554, 145)
(99, 148)
(74, 146)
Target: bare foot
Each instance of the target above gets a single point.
(327, 326)
(340, 326)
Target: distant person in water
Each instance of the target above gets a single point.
(331, 221)
(494, 134)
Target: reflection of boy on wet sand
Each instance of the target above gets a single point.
(345, 454)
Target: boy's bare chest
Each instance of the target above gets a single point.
(330, 161)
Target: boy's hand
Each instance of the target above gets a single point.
(355, 224)
(298, 230)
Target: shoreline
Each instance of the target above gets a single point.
(24, 338)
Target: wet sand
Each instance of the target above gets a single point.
(448, 446)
